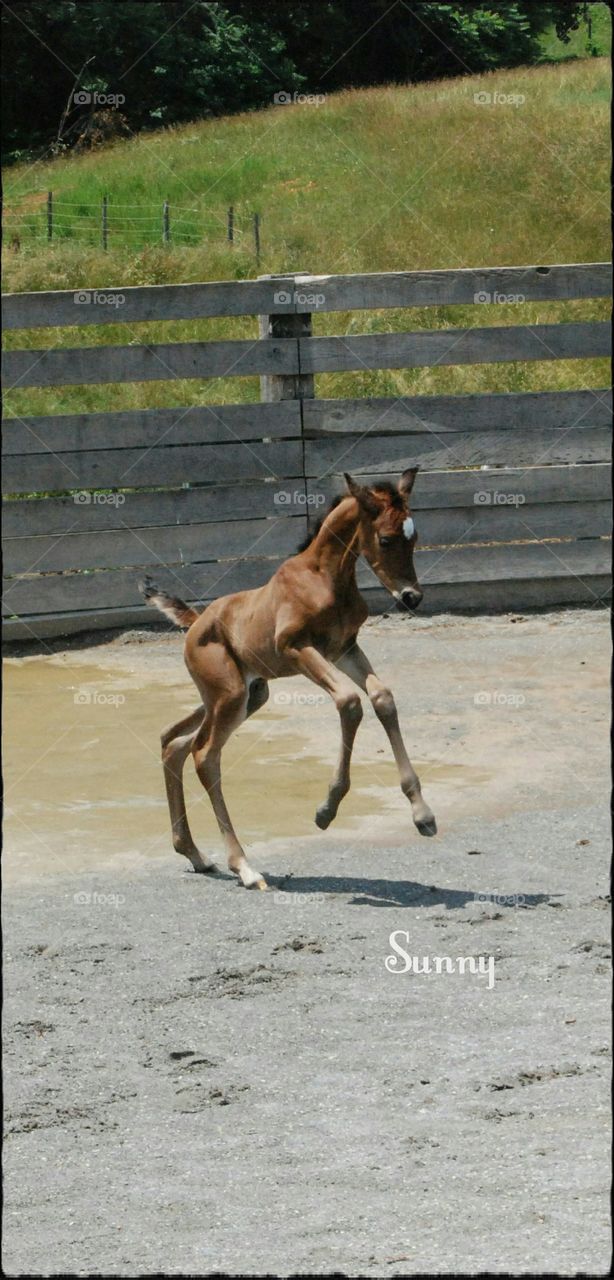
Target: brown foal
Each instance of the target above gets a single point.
(304, 621)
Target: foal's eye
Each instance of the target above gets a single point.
(385, 542)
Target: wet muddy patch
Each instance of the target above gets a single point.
(84, 786)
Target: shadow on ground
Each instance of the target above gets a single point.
(362, 891)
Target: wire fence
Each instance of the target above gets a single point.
(110, 224)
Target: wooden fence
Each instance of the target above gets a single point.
(211, 498)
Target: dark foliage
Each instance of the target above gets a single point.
(176, 60)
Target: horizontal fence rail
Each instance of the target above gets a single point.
(513, 502)
(304, 294)
(163, 361)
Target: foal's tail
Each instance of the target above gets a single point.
(179, 613)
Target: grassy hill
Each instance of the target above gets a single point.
(400, 178)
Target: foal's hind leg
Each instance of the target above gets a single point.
(207, 750)
(224, 689)
(176, 746)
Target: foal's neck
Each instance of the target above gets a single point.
(336, 547)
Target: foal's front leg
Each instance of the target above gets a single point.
(357, 666)
(347, 701)
(350, 715)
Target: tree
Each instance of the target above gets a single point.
(374, 42)
(170, 62)
(175, 60)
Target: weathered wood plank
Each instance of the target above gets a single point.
(211, 424)
(500, 596)
(340, 293)
(497, 563)
(534, 560)
(506, 595)
(38, 516)
(136, 468)
(161, 361)
(501, 522)
(446, 489)
(444, 288)
(436, 489)
(145, 428)
(392, 454)
(44, 626)
(586, 563)
(503, 578)
(507, 522)
(415, 414)
(494, 345)
(142, 304)
(154, 546)
(118, 588)
(156, 362)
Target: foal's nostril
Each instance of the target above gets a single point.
(411, 598)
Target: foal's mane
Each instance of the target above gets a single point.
(381, 486)
(313, 533)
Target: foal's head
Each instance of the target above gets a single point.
(388, 535)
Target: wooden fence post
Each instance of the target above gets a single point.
(293, 386)
(105, 222)
(50, 215)
(285, 323)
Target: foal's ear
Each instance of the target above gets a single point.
(406, 483)
(364, 496)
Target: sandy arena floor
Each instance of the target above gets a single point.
(202, 1079)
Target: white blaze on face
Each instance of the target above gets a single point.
(408, 528)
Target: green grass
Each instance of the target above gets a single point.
(393, 179)
(579, 46)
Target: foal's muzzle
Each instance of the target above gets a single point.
(410, 598)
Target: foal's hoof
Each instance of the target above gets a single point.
(323, 817)
(200, 864)
(251, 879)
(427, 826)
(260, 883)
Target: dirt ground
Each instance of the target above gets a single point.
(200, 1079)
